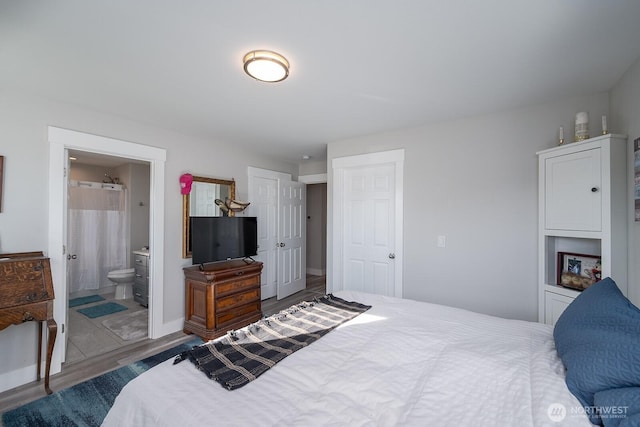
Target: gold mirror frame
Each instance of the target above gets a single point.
(186, 223)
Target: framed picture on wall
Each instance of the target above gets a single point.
(578, 271)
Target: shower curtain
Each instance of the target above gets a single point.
(98, 232)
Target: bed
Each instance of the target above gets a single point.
(402, 362)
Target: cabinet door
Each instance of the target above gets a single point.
(573, 186)
(554, 305)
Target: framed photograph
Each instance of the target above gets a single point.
(578, 271)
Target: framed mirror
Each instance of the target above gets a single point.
(201, 201)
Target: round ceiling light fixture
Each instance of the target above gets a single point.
(266, 66)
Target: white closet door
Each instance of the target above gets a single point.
(280, 206)
(369, 240)
(264, 205)
(292, 257)
(367, 213)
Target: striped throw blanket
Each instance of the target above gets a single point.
(242, 356)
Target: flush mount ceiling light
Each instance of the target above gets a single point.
(266, 66)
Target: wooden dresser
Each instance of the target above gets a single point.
(26, 294)
(221, 296)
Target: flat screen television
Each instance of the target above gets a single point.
(217, 238)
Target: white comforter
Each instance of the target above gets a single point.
(400, 363)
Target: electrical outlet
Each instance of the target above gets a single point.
(442, 241)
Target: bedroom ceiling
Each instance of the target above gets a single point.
(357, 67)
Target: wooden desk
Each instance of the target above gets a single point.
(26, 294)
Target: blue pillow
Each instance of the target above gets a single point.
(619, 407)
(598, 339)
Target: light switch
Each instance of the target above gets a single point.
(442, 241)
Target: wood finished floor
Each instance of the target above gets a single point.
(92, 367)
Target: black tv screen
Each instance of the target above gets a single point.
(217, 238)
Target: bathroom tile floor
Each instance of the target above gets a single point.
(89, 337)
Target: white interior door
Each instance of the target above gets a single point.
(292, 258)
(264, 205)
(367, 234)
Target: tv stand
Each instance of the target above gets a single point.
(221, 296)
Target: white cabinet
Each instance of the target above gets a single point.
(554, 305)
(582, 209)
(572, 191)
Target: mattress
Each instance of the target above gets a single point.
(402, 362)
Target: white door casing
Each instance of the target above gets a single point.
(367, 215)
(59, 141)
(292, 258)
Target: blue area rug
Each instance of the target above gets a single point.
(84, 300)
(102, 310)
(85, 404)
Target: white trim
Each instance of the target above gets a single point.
(62, 139)
(266, 173)
(319, 178)
(339, 164)
(19, 376)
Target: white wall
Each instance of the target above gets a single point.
(23, 222)
(474, 181)
(139, 182)
(625, 112)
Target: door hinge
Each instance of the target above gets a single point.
(64, 173)
(64, 249)
(62, 329)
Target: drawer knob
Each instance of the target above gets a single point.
(27, 316)
(239, 273)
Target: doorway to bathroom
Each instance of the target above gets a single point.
(107, 253)
(61, 141)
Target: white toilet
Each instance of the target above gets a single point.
(124, 282)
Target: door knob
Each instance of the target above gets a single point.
(594, 189)
(392, 256)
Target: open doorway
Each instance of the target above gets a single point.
(316, 230)
(60, 142)
(107, 253)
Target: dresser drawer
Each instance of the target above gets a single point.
(27, 312)
(225, 303)
(141, 261)
(25, 282)
(238, 285)
(141, 273)
(235, 313)
(141, 294)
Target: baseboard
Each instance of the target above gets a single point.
(316, 271)
(171, 327)
(18, 377)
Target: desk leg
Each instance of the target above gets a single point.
(53, 330)
(39, 348)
